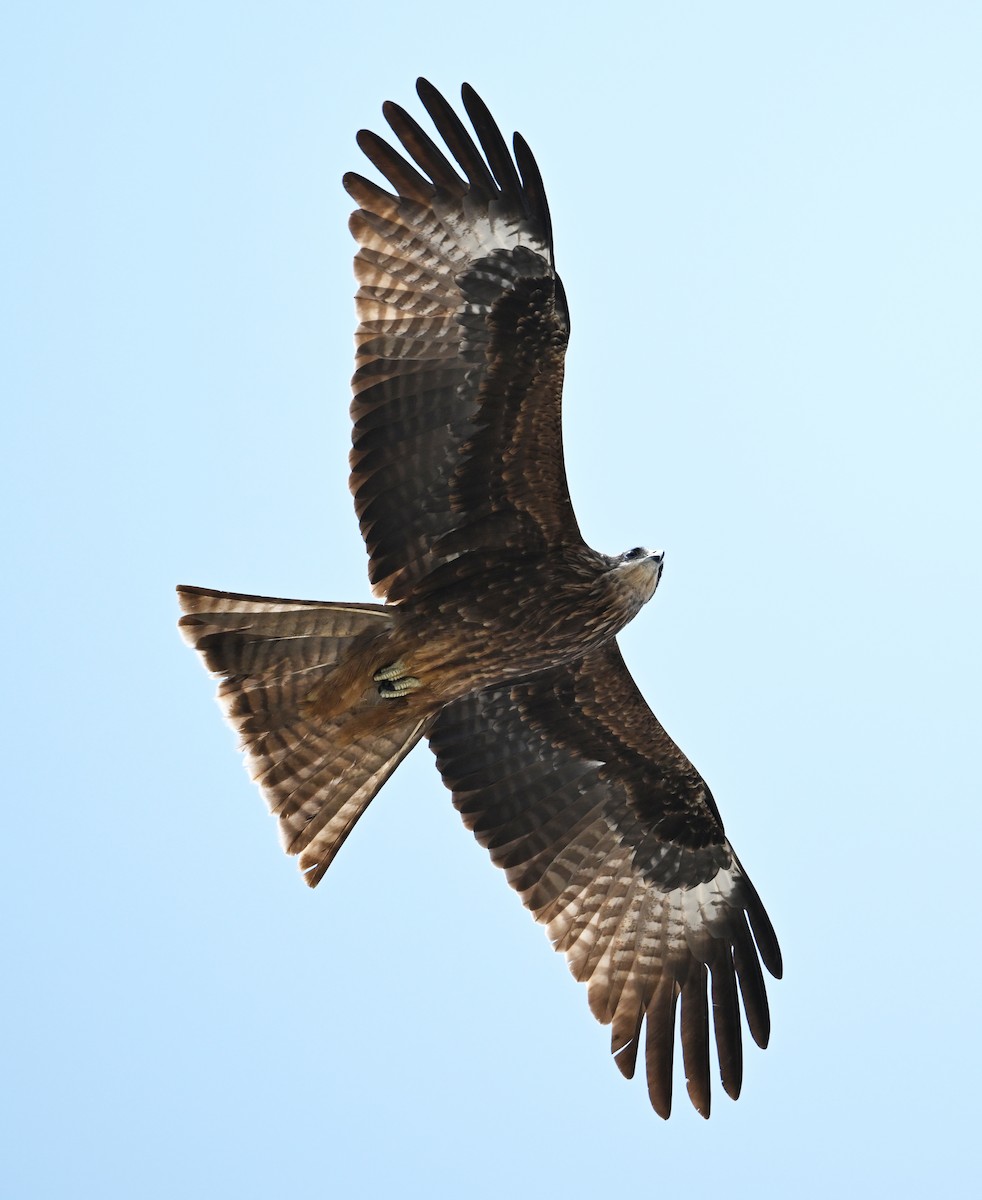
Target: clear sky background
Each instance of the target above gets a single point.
(767, 217)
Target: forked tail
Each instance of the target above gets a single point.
(318, 764)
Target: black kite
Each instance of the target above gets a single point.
(497, 638)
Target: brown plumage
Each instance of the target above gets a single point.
(496, 640)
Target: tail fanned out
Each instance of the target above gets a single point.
(318, 774)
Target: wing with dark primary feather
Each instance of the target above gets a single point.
(461, 338)
(613, 840)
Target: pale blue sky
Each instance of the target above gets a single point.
(767, 219)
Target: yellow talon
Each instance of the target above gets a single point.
(393, 671)
(393, 689)
(394, 681)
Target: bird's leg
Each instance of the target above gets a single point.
(393, 681)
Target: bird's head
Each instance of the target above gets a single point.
(641, 569)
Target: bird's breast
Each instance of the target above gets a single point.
(513, 622)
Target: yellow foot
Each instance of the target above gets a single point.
(392, 671)
(393, 681)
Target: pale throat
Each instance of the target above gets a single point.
(639, 579)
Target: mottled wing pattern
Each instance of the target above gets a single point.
(613, 840)
(457, 443)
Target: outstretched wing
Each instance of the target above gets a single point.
(614, 842)
(462, 332)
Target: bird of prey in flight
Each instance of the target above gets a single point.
(496, 640)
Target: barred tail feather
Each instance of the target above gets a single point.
(317, 766)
